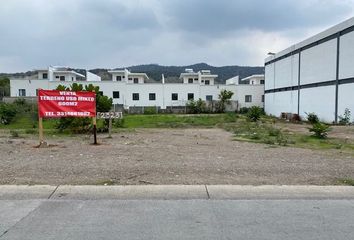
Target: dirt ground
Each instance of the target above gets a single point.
(344, 132)
(167, 156)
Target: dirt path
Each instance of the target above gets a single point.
(165, 156)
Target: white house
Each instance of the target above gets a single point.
(315, 75)
(130, 89)
(254, 79)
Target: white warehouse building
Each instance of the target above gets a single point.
(131, 90)
(316, 75)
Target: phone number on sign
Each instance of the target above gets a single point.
(67, 114)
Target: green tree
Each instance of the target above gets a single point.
(224, 99)
(82, 125)
(4, 87)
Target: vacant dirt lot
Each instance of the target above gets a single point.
(165, 156)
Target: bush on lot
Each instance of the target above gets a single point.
(150, 110)
(224, 99)
(118, 123)
(196, 107)
(84, 125)
(244, 110)
(255, 113)
(345, 119)
(320, 130)
(312, 118)
(7, 113)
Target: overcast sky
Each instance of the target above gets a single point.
(117, 33)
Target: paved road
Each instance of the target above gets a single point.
(225, 212)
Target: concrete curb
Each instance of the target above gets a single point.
(174, 192)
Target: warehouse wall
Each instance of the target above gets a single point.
(318, 64)
(318, 75)
(319, 100)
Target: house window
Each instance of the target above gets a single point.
(196, 79)
(262, 81)
(22, 92)
(115, 94)
(130, 79)
(174, 96)
(207, 82)
(118, 78)
(57, 77)
(136, 80)
(209, 97)
(190, 96)
(248, 98)
(62, 78)
(45, 75)
(152, 96)
(190, 80)
(135, 96)
(72, 78)
(262, 98)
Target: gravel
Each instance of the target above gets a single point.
(167, 156)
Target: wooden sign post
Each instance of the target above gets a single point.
(110, 116)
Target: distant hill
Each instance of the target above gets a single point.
(172, 73)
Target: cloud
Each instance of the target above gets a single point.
(114, 33)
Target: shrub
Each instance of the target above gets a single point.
(244, 110)
(14, 134)
(84, 125)
(196, 107)
(150, 110)
(224, 98)
(255, 113)
(7, 113)
(345, 119)
(320, 130)
(118, 123)
(312, 118)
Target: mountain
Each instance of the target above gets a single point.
(172, 73)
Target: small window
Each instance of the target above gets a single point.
(130, 79)
(209, 97)
(152, 96)
(45, 75)
(115, 94)
(190, 80)
(118, 78)
(248, 98)
(62, 78)
(135, 96)
(262, 98)
(190, 96)
(136, 80)
(196, 79)
(57, 77)
(72, 78)
(174, 96)
(22, 92)
(262, 81)
(207, 82)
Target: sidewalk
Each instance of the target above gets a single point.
(174, 192)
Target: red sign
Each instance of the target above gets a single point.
(57, 104)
